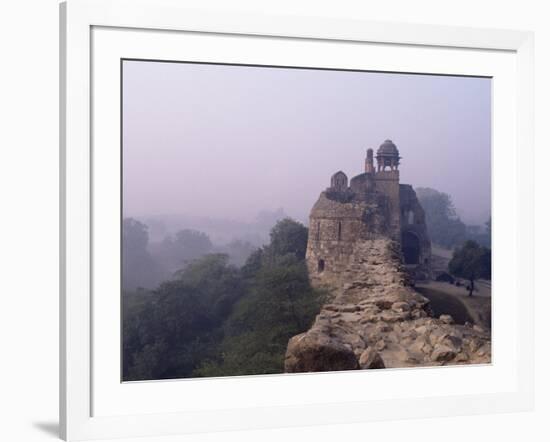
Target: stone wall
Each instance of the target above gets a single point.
(337, 221)
(376, 320)
(367, 244)
(374, 205)
(387, 183)
(413, 222)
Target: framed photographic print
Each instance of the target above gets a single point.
(282, 221)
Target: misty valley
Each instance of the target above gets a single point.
(221, 313)
(227, 299)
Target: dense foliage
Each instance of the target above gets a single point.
(182, 247)
(215, 319)
(471, 261)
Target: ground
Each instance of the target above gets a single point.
(454, 300)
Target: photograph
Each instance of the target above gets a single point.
(287, 219)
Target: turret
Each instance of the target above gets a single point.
(387, 155)
(369, 161)
(339, 181)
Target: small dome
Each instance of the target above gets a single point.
(387, 148)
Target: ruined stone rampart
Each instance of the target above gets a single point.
(367, 244)
(375, 320)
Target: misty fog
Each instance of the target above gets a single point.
(229, 150)
(221, 166)
(230, 141)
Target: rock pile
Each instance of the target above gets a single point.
(377, 320)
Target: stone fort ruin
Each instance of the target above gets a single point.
(373, 206)
(365, 241)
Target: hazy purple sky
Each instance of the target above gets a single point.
(229, 141)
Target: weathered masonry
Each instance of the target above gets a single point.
(372, 205)
(366, 238)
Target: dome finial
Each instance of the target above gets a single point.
(387, 155)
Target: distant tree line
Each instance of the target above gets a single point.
(445, 227)
(214, 318)
(146, 264)
(139, 269)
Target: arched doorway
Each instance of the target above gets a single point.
(410, 245)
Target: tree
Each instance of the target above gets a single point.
(215, 319)
(217, 281)
(278, 304)
(471, 262)
(288, 237)
(267, 218)
(253, 263)
(171, 330)
(238, 251)
(135, 234)
(138, 267)
(187, 244)
(444, 225)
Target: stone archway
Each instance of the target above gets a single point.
(410, 246)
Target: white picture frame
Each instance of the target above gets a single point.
(80, 378)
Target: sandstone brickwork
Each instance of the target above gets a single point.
(374, 205)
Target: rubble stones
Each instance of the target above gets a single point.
(442, 353)
(318, 352)
(373, 316)
(370, 358)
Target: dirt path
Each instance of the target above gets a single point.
(447, 298)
